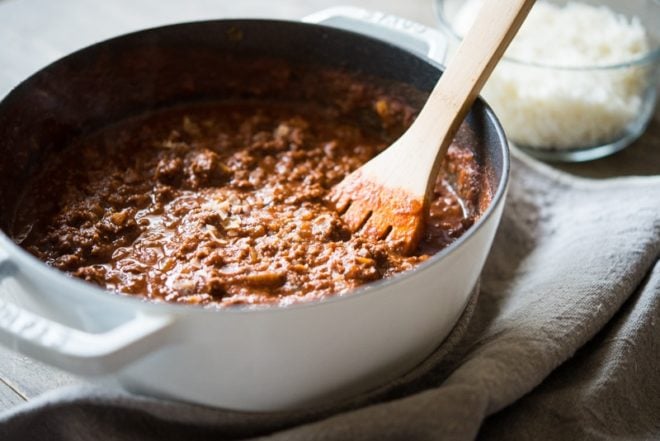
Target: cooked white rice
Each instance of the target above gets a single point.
(562, 108)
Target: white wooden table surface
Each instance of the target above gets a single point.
(35, 32)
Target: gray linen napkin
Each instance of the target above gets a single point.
(568, 255)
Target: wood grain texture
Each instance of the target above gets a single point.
(388, 197)
(29, 378)
(9, 397)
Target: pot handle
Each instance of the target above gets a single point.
(391, 28)
(71, 349)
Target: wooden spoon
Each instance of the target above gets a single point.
(388, 197)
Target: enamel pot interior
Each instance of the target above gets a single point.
(224, 59)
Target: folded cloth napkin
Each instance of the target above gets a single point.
(574, 267)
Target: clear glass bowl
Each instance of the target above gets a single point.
(577, 112)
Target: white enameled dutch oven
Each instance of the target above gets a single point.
(267, 359)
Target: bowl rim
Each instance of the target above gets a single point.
(647, 58)
(37, 268)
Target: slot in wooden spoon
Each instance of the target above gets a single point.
(388, 197)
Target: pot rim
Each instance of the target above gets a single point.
(38, 268)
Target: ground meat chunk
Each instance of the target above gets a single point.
(205, 169)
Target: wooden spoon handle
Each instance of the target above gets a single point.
(476, 57)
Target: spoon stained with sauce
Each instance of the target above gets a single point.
(388, 197)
